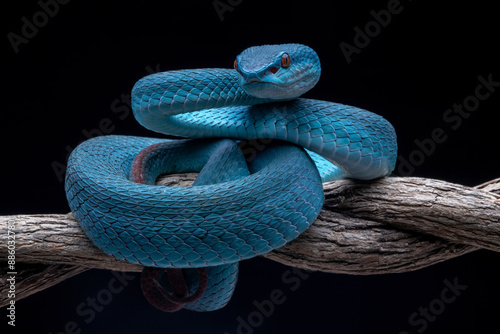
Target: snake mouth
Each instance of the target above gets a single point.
(260, 83)
(265, 89)
(252, 80)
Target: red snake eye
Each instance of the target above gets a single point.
(285, 60)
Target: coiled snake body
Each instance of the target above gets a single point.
(240, 206)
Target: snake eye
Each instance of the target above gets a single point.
(236, 65)
(285, 60)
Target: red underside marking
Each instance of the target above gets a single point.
(152, 290)
(175, 301)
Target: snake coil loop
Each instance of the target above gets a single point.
(241, 205)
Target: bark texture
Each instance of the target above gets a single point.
(389, 225)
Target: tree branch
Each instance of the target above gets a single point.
(389, 225)
(394, 225)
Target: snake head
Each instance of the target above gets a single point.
(278, 72)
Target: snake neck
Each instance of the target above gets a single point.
(184, 91)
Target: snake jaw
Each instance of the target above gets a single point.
(267, 82)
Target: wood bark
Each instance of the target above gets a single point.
(389, 225)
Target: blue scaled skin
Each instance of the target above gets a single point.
(272, 197)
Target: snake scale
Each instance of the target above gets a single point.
(241, 205)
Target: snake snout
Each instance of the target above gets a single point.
(252, 77)
(278, 72)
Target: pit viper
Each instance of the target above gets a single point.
(262, 154)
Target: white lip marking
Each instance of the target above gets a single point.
(253, 80)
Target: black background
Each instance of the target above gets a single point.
(74, 72)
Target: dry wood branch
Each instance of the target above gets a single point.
(453, 212)
(384, 226)
(34, 277)
(396, 225)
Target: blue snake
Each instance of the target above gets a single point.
(246, 200)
